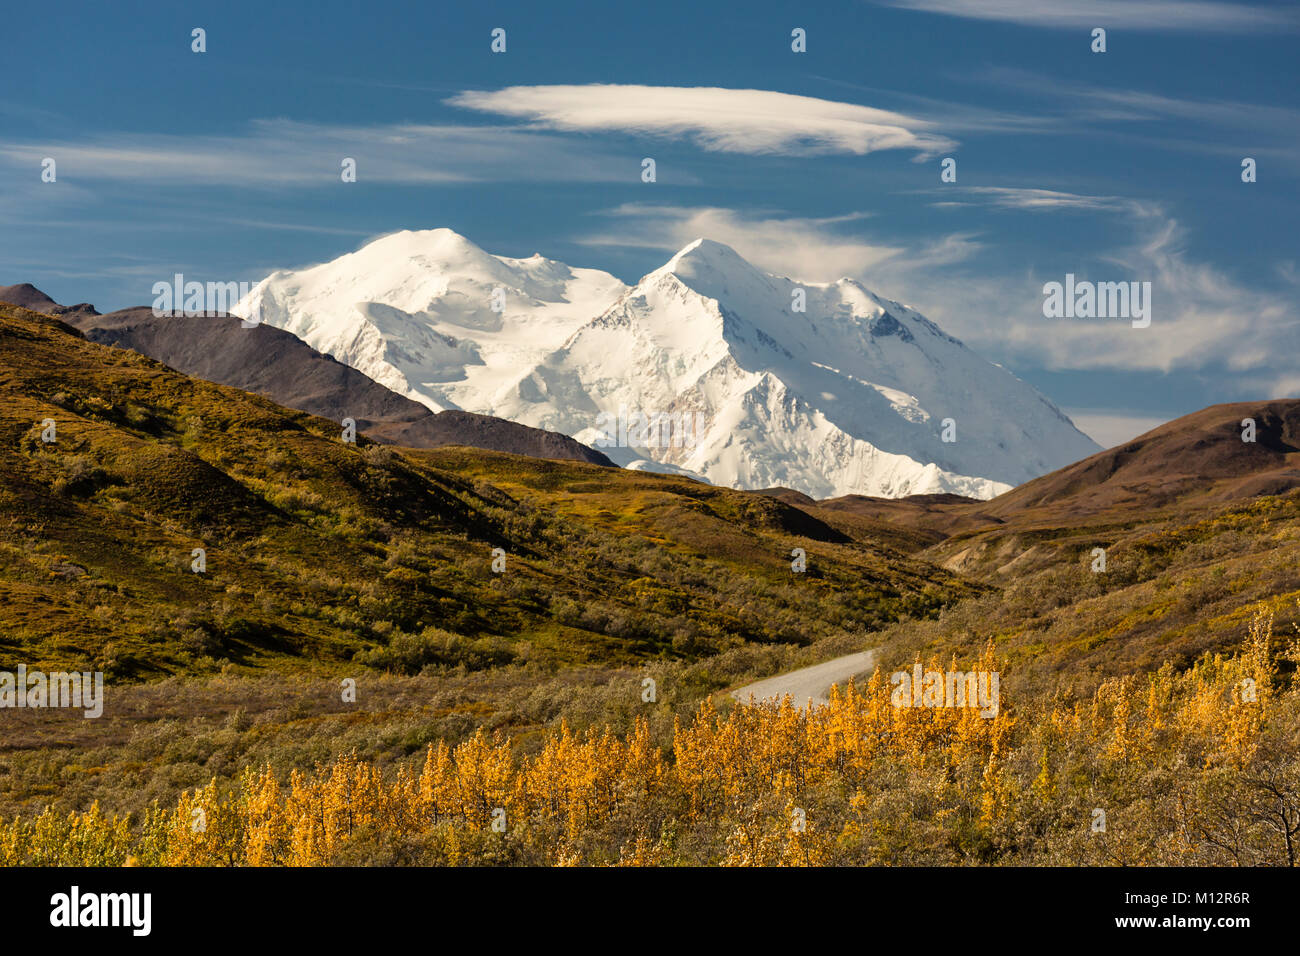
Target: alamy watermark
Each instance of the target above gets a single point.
(922, 688)
(1098, 300)
(206, 300)
(57, 689)
(635, 429)
(129, 910)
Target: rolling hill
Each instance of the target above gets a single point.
(319, 552)
(281, 367)
(374, 562)
(1196, 527)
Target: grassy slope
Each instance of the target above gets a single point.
(1197, 526)
(318, 550)
(329, 560)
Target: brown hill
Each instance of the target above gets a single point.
(115, 467)
(1192, 465)
(1183, 471)
(910, 524)
(283, 368)
(30, 297)
(279, 366)
(1199, 458)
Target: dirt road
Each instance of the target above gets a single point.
(809, 683)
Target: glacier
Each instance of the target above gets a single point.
(825, 388)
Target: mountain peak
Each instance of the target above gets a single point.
(440, 243)
(28, 296)
(821, 387)
(716, 271)
(706, 252)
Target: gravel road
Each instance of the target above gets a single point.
(809, 683)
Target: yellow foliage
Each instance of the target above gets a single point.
(744, 771)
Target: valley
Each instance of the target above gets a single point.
(372, 564)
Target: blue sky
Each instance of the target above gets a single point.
(1123, 165)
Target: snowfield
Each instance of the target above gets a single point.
(847, 396)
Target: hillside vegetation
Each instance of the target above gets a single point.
(528, 690)
(328, 561)
(1170, 768)
(1196, 526)
(319, 551)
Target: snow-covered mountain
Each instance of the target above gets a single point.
(850, 394)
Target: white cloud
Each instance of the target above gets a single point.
(291, 227)
(803, 248)
(953, 116)
(1202, 318)
(1041, 200)
(1286, 385)
(723, 120)
(1161, 15)
(284, 153)
(1088, 100)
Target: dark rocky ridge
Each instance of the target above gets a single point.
(29, 297)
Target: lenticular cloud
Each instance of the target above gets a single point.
(734, 121)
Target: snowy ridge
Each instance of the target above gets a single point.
(847, 396)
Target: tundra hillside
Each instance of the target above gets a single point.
(1160, 690)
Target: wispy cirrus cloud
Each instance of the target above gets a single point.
(287, 154)
(1202, 316)
(812, 249)
(1090, 101)
(1039, 200)
(1157, 15)
(724, 120)
(953, 116)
